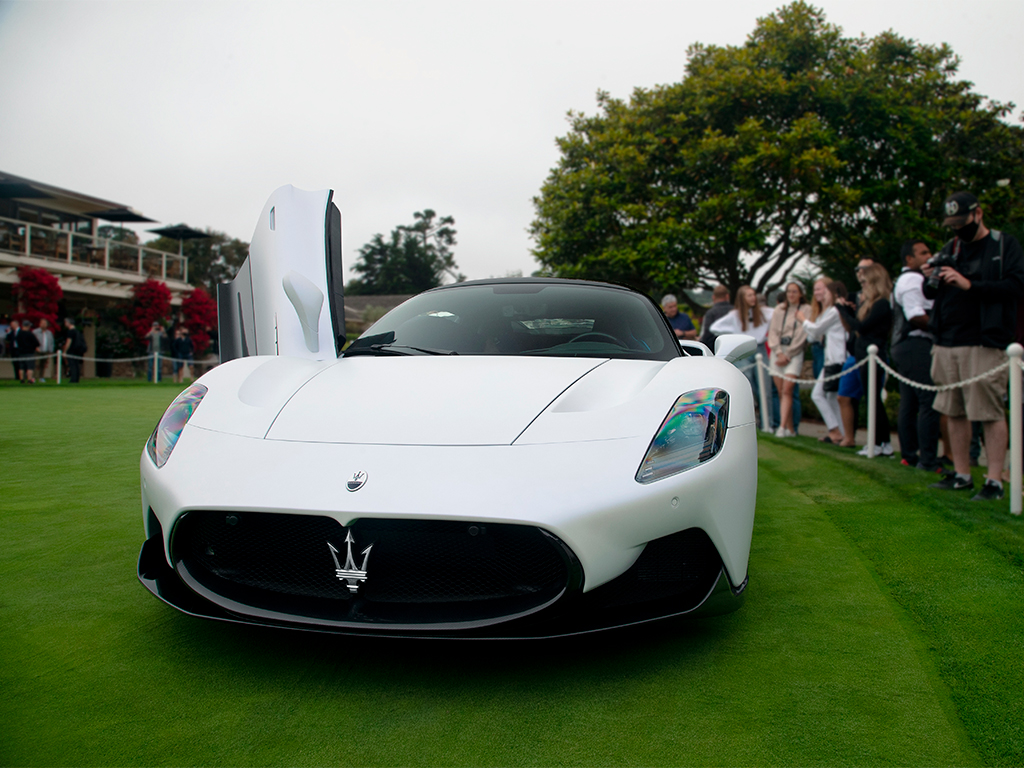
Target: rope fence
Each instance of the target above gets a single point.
(157, 359)
(1013, 365)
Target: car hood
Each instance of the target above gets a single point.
(426, 400)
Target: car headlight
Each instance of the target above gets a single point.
(168, 430)
(692, 432)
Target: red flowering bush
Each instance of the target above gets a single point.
(37, 293)
(200, 312)
(151, 303)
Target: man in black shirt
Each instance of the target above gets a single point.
(973, 322)
(74, 348)
(720, 307)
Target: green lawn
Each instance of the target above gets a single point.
(883, 626)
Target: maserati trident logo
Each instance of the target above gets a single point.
(351, 575)
(357, 481)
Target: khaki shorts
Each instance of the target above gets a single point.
(980, 401)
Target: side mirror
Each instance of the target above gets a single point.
(735, 346)
(694, 348)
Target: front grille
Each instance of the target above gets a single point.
(417, 571)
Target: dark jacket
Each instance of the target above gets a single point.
(997, 281)
(873, 329)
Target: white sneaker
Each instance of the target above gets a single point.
(780, 432)
(885, 449)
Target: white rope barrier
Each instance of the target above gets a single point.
(1014, 365)
(157, 359)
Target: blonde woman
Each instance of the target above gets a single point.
(749, 317)
(871, 321)
(787, 339)
(824, 324)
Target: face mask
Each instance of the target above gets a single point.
(967, 232)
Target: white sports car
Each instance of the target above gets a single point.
(499, 458)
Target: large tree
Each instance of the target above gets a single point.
(800, 145)
(414, 258)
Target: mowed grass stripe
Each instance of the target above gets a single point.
(821, 666)
(953, 565)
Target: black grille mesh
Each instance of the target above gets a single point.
(279, 562)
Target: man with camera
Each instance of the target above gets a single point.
(911, 353)
(975, 281)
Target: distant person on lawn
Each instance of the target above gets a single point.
(74, 348)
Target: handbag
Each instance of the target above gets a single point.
(832, 370)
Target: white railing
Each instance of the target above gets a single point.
(41, 242)
(1014, 364)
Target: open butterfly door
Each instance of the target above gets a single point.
(288, 297)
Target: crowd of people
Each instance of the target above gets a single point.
(33, 347)
(29, 346)
(946, 320)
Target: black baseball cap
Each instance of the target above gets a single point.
(957, 208)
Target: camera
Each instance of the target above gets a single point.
(786, 340)
(937, 262)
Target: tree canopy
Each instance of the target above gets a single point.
(800, 145)
(414, 258)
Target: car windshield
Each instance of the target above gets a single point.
(523, 318)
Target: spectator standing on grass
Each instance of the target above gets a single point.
(850, 391)
(976, 288)
(154, 346)
(25, 345)
(911, 352)
(10, 345)
(680, 321)
(46, 346)
(720, 307)
(787, 338)
(74, 348)
(870, 322)
(183, 352)
(749, 317)
(824, 324)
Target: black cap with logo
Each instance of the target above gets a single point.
(957, 208)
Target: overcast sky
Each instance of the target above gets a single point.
(196, 111)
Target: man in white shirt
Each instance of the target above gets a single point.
(911, 351)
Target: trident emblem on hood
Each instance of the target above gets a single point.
(351, 575)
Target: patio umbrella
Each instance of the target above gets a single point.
(120, 215)
(179, 232)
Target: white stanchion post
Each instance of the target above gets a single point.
(1016, 449)
(60, 360)
(872, 388)
(156, 367)
(766, 419)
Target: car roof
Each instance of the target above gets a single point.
(538, 281)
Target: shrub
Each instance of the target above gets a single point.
(200, 313)
(37, 293)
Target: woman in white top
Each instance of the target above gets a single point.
(787, 338)
(751, 318)
(824, 324)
